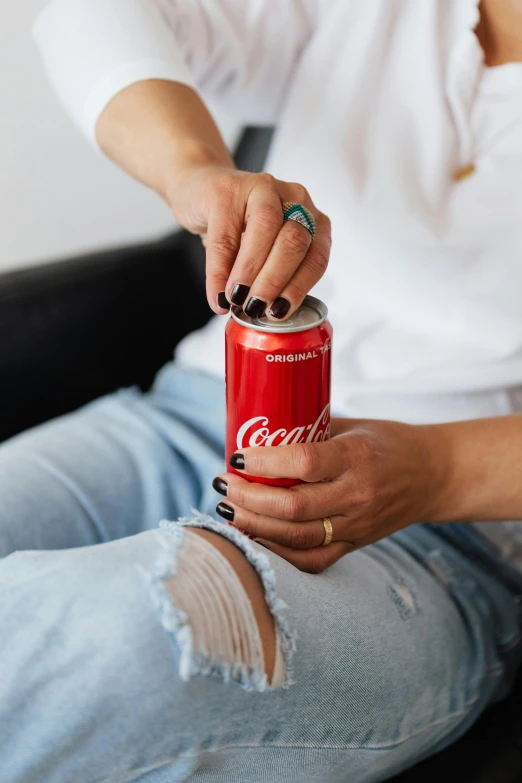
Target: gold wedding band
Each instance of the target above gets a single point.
(328, 531)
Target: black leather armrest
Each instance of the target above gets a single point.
(74, 330)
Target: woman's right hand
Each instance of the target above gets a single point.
(253, 257)
(163, 135)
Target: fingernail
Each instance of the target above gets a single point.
(255, 307)
(280, 307)
(237, 461)
(225, 511)
(239, 294)
(220, 486)
(223, 301)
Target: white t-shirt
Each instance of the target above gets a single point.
(377, 103)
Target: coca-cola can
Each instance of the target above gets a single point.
(278, 381)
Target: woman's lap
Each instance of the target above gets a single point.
(399, 646)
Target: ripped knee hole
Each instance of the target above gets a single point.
(220, 614)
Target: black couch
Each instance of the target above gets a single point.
(74, 330)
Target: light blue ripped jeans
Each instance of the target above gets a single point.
(399, 647)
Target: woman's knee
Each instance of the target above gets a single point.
(223, 598)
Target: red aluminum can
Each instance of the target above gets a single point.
(278, 381)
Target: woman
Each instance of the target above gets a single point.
(125, 645)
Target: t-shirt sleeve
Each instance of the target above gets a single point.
(240, 53)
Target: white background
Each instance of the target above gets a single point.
(57, 195)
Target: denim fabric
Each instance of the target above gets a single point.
(391, 654)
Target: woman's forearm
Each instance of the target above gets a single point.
(482, 467)
(156, 128)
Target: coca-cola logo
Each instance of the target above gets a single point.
(256, 432)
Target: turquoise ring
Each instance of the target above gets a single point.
(302, 215)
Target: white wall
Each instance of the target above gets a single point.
(57, 196)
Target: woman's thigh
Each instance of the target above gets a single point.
(114, 468)
(398, 648)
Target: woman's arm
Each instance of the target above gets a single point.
(162, 134)
(373, 478)
(483, 469)
(121, 68)
(158, 129)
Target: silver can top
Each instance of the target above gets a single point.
(311, 313)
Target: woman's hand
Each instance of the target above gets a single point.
(371, 478)
(253, 258)
(163, 135)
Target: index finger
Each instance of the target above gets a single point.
(306, 461)
(223, 239)
(263, 221)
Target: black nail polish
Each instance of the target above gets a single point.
(280, 307)
(225, 511)
(255, 307)
(239, 294)
(220, 486)
(223, 301)
(237, 461)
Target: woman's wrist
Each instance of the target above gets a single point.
(484, 480)
(476, 469)
(156, 130)
(187, 158)
(443, 495)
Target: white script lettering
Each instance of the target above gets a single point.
(256, 432)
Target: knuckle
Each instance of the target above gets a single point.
(269, 281)
(226, 245)
(217, 275)
(367, 495)
(366, 456)
(297, 291)
(299, 537)
(306, 461)
(337, 448)
(301, 499)
(228, 185)
(268, 218)
(366, 449)
(217, 267)
(317, 260)
(239, 496)
(299, 192)
(266, 180)
(292, 507)
(295, 238)
(247, 272)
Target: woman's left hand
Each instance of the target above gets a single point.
(371, 479)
